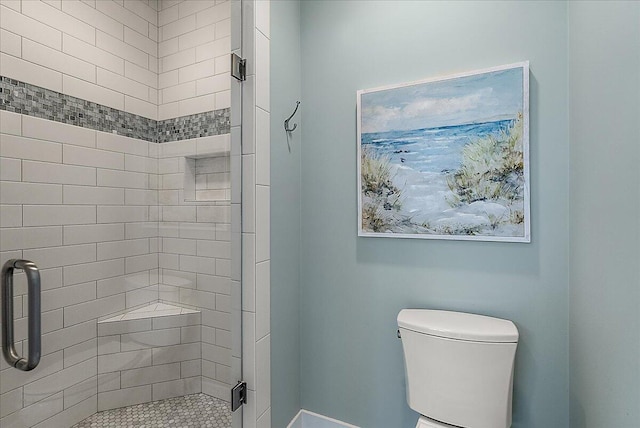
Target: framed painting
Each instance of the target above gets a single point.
(446, 158)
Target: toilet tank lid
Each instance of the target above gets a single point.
(458, 325)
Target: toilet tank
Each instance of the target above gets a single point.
(459, 367)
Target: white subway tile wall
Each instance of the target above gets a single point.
(105, 51)
(148, 354)
(67, 208)
(93, 228)
(195, 246)
(194, 44)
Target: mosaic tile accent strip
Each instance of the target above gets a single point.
(31, 100)
(197, 411)
(214, 122)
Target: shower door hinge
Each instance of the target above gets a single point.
(238, 67)
(238, 395)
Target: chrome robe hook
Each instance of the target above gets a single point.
(286, 122)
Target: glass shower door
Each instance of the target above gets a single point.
(120, 190)
(136, 288)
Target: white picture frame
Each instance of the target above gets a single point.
(446, 157)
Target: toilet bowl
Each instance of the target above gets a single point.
(458, 368)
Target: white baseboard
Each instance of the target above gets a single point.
(307, 419)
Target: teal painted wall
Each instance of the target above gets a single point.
(604, 76)
(285, 213)
(352, 288)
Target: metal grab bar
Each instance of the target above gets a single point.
(8, 343)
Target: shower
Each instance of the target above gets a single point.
(130, 252)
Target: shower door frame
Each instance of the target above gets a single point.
(236, 210)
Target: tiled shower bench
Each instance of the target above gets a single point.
(148, 354)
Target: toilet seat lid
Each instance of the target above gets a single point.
(458, 325)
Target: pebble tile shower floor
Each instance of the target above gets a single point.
(197, 411)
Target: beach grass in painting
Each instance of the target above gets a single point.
(446, 158)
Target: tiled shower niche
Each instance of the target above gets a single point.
(207, 176)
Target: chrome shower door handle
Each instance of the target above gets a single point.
(8, 340)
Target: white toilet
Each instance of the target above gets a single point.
(458, 367)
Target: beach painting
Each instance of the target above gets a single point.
(446, 158)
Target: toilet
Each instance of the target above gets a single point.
(458, 368)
